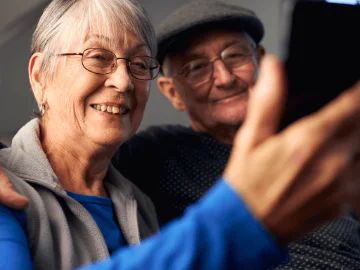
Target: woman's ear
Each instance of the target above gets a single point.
(166, 86)
(36, 79)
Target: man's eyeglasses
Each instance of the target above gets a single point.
(101, 61)
(201, 70)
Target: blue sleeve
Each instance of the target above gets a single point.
(14, 250)
(218, 232)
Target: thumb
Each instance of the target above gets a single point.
(266, 104)
(8, 196)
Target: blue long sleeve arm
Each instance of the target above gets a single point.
(217, 233)
(14, 250)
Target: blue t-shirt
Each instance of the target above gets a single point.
(101, 209)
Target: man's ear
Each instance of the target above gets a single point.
(260, 52)
(166, 86)
(37, 81)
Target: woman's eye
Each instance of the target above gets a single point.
(98, 57)
(140, 65)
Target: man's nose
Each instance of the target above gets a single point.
(120, 78)
(222, 74)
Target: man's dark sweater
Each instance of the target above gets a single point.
(175, 166)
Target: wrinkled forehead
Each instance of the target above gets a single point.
(202, 45)
(127, 42)
(218, 39)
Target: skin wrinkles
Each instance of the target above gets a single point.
(97, 41)
(73, 132)
(103, 42)
(219, 106)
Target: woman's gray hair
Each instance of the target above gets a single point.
(67, 22)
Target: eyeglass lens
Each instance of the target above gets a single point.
(102, 61)
(234, 57)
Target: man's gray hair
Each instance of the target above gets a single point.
(67, 22)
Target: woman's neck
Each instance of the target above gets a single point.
(80, 165)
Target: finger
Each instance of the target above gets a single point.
(304, 178)
(342, 110)
(311, 214)
(8, 196)
(338, 118)
(336, 123)
(351, 180)
(331, 209)
(301, 182)
(266, 104)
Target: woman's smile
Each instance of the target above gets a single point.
(113, 109)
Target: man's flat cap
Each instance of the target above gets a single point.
(198, 16)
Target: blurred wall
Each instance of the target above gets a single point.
(16, 99)
(17, 20)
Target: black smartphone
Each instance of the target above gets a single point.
(321, 51)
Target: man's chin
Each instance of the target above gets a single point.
(231, 115)
(232, 119)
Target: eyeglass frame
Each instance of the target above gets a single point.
(252, 45)
(128, 61)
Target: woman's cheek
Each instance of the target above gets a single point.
(140, 105)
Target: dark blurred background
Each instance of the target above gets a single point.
(17, 21)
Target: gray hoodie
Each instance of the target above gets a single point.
(61, 233)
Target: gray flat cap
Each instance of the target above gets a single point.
(197, 16)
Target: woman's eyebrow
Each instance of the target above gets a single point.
(97, 36)
(140, 46)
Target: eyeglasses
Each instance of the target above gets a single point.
(101, 61)
(201, 70)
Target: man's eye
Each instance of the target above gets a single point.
(197, 67)
(234, 55)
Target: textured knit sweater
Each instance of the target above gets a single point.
(185, 164)
(61, 233)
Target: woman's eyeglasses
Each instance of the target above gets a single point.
(101, 61)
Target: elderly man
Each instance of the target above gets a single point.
(210, 53)
(206, 49)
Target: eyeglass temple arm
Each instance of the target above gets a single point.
(63, 54)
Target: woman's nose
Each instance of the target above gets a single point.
(120, 78)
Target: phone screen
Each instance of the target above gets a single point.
(323, 54)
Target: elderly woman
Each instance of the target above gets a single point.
(90, 69)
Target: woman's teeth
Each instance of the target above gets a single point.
(110, 109)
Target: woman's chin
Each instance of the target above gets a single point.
(107, 129)
(110, 137)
